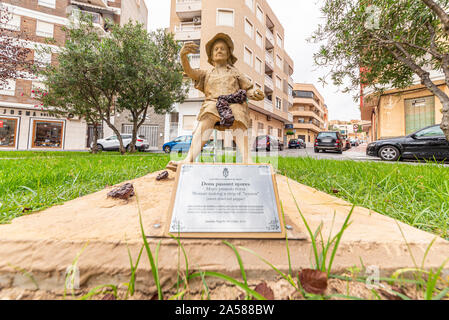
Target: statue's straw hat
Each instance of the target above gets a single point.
(221, 36)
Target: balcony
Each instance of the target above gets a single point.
(268, 105)
(100, 3)
(194, 61)
(97, 19)
(308, 101)
(289, 117)
(269, 60)
(270, 39)
(290, 99)
(186, 32)
(188, 9)
(306, 113)
(291, 82)
(307, 125)
(269, 83)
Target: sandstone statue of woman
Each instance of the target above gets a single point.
(223, 84)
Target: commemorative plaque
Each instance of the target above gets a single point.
(225, 200)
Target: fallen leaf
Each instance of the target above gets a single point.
(388, 295)
(335, 191)
(163, 175)
(123, 192)
(313, 281)
(264, 290)
(26, 209)
(109, 296)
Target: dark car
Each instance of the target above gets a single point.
(267, 143)
(347, 143)
(427, 143)
(329, 140)
(180, 144)
(296, 143)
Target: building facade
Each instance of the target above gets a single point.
(399, 112)
(23, 124)
(310, 113)
(259, 46)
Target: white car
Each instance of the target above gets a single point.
(112, 143)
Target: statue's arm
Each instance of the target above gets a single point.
(188, 48)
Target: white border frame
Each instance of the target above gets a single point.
(17, 133)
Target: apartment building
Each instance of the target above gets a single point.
(399, 112)
(310, 113)
(23, 124)
(259, 46)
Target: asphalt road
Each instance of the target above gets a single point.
(355, 153)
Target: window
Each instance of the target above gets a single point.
(257, 86)
(44, 29)
(419, 113)
(248, 56)
(259, 39)
(431, 132)
(258, 65)
(278, 103)
(47, 134)
(13, 23)
(279, 40)
(260, 128)
(249, 28)
(225, 17)
(9, 88)
(47, 3)
(270, 130)
(250, 4)
(279, 133)
(279, 61)
(42, 58)
(188, 123)
(8, 129)
(278, 82)
(259, 14)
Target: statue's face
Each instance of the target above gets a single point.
(220, 51)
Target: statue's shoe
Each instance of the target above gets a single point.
(172, 166)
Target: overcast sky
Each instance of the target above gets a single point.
(300, 19)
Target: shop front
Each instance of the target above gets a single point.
(24, 129)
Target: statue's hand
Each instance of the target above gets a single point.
(189, 47)
(256, 95)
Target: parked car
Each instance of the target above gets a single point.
(180, 144)
(329, 140)
(355, 142)
(296, 143)
(112, 144)
(267, 143)
(427, 143)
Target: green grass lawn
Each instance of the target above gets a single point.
(416, 195)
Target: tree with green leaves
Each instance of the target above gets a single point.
(150, 72)
(98, 75)
(391, 41)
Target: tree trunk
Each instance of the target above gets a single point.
(95, 140)
(445, 120)
(132, 146)
(118, 134)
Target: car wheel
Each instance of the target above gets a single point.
(100, 147)
(389, 153)
(340, 152)
(167, 149)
